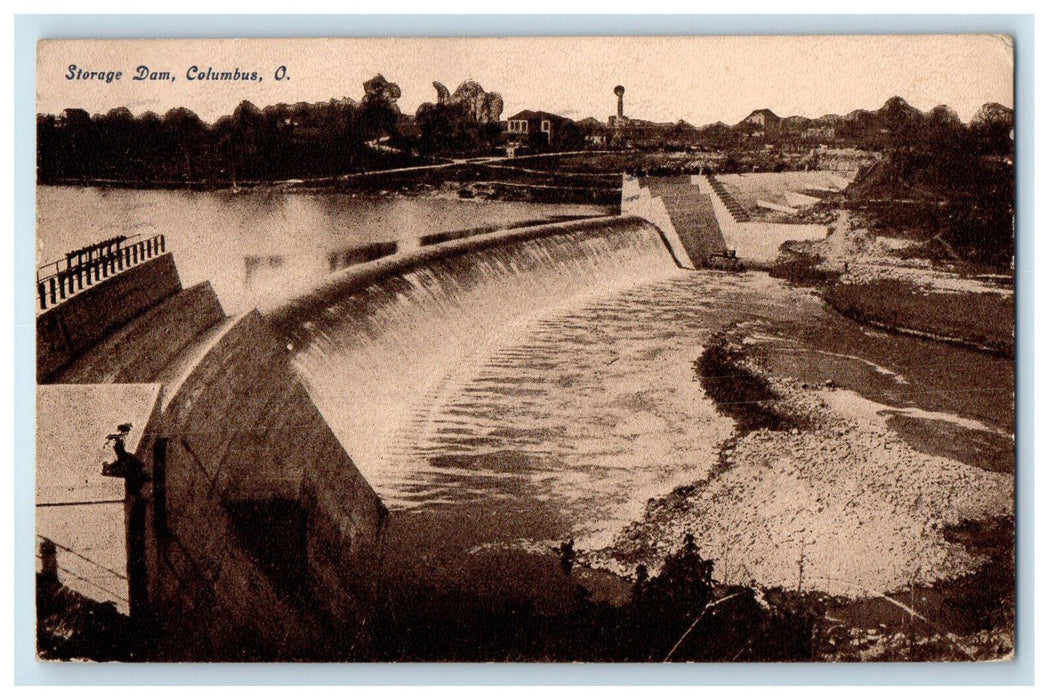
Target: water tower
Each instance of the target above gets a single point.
(618, 91)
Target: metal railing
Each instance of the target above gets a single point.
(85, 267)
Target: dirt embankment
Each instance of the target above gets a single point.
(980, 320)
(869, 279)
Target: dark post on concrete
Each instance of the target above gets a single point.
(49, 562)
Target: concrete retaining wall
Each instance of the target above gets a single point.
(65, 331)
(637, 201)
(760, 241)
(756, 241)
(241, 430)
(140, 350)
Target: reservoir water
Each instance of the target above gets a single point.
(213, 233)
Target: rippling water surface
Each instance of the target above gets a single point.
(545, 388)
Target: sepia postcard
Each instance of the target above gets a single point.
(593, 349)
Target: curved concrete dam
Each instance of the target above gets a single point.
(503, 393)
(379, 347)
(528, 386)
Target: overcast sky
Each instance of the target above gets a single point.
(699, 79)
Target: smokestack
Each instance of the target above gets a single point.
(618, 90)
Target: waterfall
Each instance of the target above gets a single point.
(377, 344)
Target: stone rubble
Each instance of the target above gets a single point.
(846, 508)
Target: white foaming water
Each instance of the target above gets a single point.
(427, 380)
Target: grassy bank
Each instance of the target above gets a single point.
(982, 320)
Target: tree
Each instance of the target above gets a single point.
(466, 121)
(378, 111)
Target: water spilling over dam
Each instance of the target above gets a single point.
(378, 352)
(507, 392)
(538, 384)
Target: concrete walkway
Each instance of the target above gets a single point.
(77, 508)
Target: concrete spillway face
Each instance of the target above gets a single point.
(376, 350)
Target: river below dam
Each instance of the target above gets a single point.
(512, 399)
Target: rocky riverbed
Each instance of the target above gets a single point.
(840, 505)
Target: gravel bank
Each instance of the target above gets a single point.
(845, 507)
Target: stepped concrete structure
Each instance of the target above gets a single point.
(757, 242)
(714, 188)
(686, 217)
(705, 225)
(692, 216)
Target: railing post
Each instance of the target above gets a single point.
(91, 264)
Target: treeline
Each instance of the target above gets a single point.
(278, 142)
(465, 122)
(895, 124)
(953, 180)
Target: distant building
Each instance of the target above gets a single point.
(541, 130)
(763, 119)
(594, 131)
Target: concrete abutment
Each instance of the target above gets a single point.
(234, 455)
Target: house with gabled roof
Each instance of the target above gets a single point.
(763, 119)
(542, 130)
